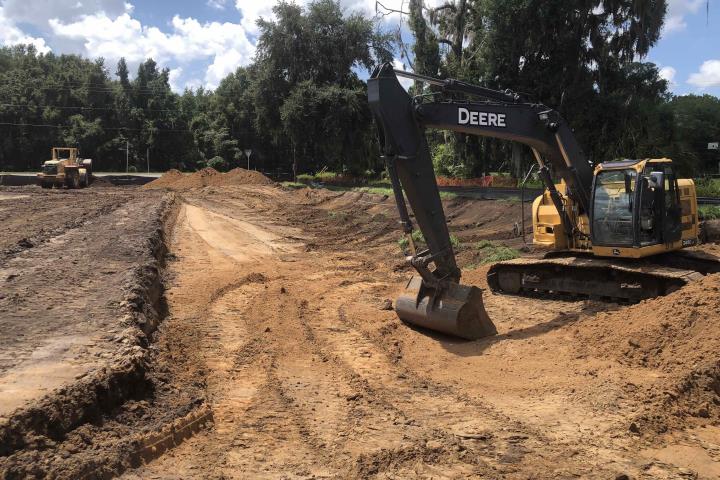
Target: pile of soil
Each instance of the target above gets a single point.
(677, 335)
(176, 180)
(169, 178)
(240, 176)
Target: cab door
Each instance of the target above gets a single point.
(672, 225)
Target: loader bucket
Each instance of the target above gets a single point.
(458, 309)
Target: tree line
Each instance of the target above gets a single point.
(301, 105)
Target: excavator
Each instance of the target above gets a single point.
(612, 230)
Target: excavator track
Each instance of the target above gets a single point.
(605, 279)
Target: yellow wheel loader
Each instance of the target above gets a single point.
(65, 169)
(613, 230)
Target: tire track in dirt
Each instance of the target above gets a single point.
(301, 387)
(331, 392)
(32, 227)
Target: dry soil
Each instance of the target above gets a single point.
(277, 357)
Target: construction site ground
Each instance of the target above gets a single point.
(245, 330)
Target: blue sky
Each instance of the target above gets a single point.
(201, 41)
(689, 50)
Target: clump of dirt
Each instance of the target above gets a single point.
(676, 334)
(176, 180)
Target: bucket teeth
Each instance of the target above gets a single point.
(455, 309)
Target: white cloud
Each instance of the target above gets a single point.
(38, 12)
(173, 77)
(251, 10)
(224, 64)
(677, 11)
(708, 76)
(10, 34)
(109, 29)
(405, 82)
(226, 44)
(217, 4)
(668, 73)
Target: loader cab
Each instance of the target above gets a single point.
(636, 208)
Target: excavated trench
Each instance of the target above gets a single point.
(103, 423)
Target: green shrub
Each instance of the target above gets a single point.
(342, 216)
(417, 237)
(375, 190)
(446, 164)
(218, 163)
(493, 253)
(293, 185)
(132, 169)
(380, 183)
(305, 178)
(419, 240)
(533, 183)
(709, 212)
(708, 187)
(325, 176)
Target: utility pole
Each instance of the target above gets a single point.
(127, 157)
(148, 159)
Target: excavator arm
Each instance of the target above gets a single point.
(435, 299)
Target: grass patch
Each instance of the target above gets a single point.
(325, 176)
(293, 184)
(342, 216)
(493, 253)
(389, 191)
(537, 184)
(374, 190)
(709, 212)
(512, 200)
(380, 183)
(305, 178)
(448, 195)
(419, 240)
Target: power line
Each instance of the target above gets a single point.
(94, 89)
(18, 105)
(45, 125)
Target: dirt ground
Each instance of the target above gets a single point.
(277, 357)
(65, 261)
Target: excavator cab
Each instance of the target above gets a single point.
(637, 209)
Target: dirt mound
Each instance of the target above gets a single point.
(677, 335)
(240, 176)
(176, 180)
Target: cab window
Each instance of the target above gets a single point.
(613, 207)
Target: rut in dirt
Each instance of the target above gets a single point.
(297, 387)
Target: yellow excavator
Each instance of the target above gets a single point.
(613, 230)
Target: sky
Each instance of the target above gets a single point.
(202, 41)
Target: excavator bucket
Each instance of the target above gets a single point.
(456, 310)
